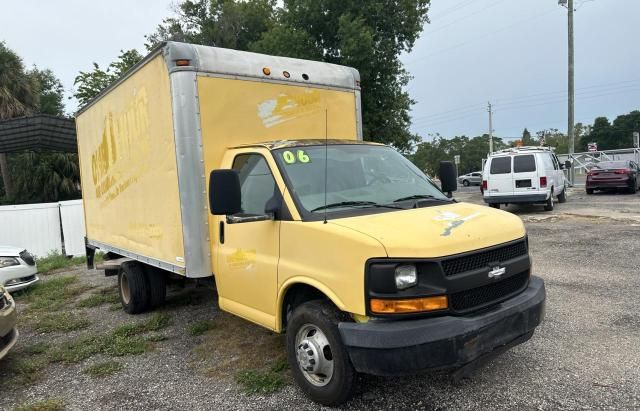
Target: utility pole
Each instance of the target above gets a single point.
(572, 95)
(489, 109)
(571, 89)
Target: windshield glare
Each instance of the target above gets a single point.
(356, 173)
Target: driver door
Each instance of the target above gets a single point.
(246, 257)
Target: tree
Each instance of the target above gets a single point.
(527, 140)
(369, 36)
(91, 83)
(49, 90)
(17, 98)
(471, 151)
(44, 176)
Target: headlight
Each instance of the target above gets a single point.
(8, 262)
(406, 276)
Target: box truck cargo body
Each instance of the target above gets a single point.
(204, 162)
(146, 142)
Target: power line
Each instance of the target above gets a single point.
(536, 97)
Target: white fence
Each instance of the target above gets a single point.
(43, 228)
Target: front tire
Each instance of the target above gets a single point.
(133, 287)
(589, 191)
(319, 361)
(465, 183)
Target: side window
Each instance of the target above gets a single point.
(524, 164)
(500, 165)
(256, 182)
(548, 162)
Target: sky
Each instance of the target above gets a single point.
(512, 53)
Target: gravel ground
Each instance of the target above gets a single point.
(586, 354)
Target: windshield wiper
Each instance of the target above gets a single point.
(355, 204)
(420, 197)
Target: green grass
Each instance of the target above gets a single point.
(201, 327)
(52, 295)
(106, 295)
(261, 381)
(156, 323)
(60, 322)
(52, 404)
(157, 338)
(124, 340)
(104, 369)
(56, 260)
(264, 381)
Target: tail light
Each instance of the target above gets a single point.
(621, 171)
(484, 184)
(543, 182)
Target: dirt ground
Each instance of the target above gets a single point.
(586, 354)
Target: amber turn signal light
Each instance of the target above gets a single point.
(183, 62)
(266, 71)
(413, 305)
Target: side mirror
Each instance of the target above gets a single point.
(567, 165)
(224, 192)
(448, 177)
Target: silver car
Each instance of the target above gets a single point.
(474, 178)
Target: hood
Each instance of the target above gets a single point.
(438, 231)
(8, 251)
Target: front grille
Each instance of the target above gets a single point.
(27, 258)
(481, 296)
(457, 265)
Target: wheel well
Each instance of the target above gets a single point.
(298, 294)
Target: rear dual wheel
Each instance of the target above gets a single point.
(141, 287)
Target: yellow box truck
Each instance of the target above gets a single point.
(203, 162)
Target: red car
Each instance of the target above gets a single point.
(619, 174)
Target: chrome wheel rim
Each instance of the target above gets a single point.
(314, 355)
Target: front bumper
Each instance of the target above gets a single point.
(18, 277)
(409, 347)
(519, 199)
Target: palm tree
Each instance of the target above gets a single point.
(17, 98)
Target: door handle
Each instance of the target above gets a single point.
(221, 232)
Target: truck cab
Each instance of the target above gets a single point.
(258, 177)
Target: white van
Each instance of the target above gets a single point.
(523, 175)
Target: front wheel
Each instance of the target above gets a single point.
(465, 183)
(318, 359)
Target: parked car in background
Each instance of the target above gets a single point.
(613, 175)
(524, 175)
(474, 178)
(8, 330)
(18, 268)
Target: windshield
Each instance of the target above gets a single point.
(358, 176)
